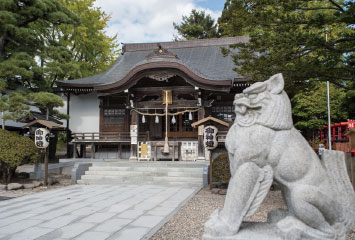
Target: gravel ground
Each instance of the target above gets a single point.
(188, 222)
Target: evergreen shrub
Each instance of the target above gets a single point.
(15, 150)
(220, 169)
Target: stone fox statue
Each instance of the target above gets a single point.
(263, 147)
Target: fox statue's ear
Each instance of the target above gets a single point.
(275, 84)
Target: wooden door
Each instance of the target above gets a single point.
(182, 127)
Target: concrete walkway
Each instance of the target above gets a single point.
(92, 212)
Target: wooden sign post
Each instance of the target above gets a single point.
(210, 140)
(42, 141)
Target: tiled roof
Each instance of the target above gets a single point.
(202, 57)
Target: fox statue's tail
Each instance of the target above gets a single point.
(334, 164)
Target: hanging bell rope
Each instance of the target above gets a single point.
(163, 114)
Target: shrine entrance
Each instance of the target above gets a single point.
(179, 126)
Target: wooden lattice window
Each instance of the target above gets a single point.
(114, 115)
(225, 113)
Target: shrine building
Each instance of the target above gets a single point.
(143, 107)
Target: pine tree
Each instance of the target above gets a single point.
(198, 25)
(20, 43)
(302, 39)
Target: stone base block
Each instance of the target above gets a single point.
(251, 231)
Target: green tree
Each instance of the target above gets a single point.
(15, 150)
(2, 85)
(198, 25)
(46, 102)
(302, 39)
(20, 43)
(310, 106)
(14, 106)
(4, 107)
(76, 50)
(349, 102)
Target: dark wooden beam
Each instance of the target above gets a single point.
(159, 104)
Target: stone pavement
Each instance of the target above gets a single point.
(92, 212)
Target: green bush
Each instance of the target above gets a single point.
(15, 150)
(220, 169)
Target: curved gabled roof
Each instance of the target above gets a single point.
(200, 59)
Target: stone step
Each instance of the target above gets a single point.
(114, 182)
(145, 169)
(160, 173)
(142, 178)
(198, 174)
(175, 164)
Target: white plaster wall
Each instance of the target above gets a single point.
(84, 113)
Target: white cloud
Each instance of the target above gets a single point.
(147, 20)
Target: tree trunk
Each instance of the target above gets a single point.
(9, 176)
(2, 45)
(47, 114)
(4, 176)
(3, 121)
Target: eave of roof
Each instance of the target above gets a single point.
(133, 47)
(200, 59)
(44, 123)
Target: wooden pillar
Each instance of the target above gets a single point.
(173, 151)
(155, 151)
(200, 145)
(119, 150)
(75, 154)
(134, 135)
(84, 150)
(92, 150)
(68, 132)
(46, 166)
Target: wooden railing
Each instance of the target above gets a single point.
(107, 137)
(88, 137)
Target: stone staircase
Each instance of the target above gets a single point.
(160, 173)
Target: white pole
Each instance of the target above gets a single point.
(329, 130)
(328, 103)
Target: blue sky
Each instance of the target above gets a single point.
(152, 20)
(214, 5)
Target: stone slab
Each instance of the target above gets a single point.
(133, 233)
(125, 211)
(130, 214)
(147, 221)
(112, 225)
(251, 230)
(31, 233)
(90, 235)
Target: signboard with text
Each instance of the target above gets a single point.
(42, 137)
(210, 137)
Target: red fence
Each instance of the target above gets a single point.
(339, 140)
